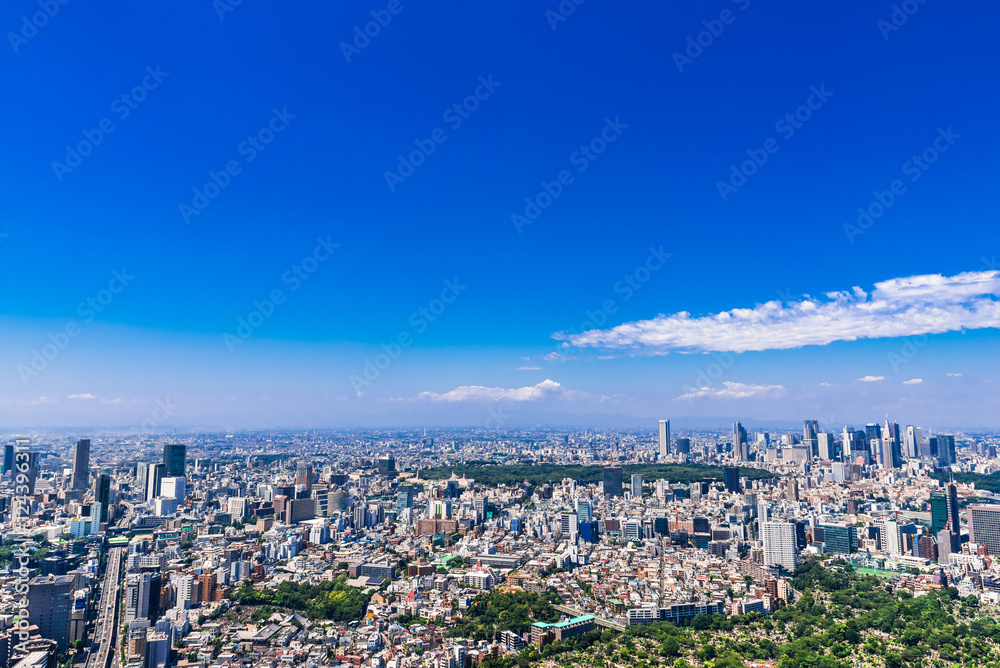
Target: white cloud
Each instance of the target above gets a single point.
(927, 304)
(733, 390)
(955, 375)
(111, 401)
(529, 368)
(871, 379)
(480, 393)
(913, 381)
(44, 400)
(85, 395)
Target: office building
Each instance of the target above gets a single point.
(50, 604)
(174, 460)
(174, 488)
(741, 449)
(405, 497)
(102, 495)
(142, 596)
(682, 446)
(584, 510)
(839, 538)
(153, 480)
(636, 486)
(304, 476)
(913, 442)
(664, 443)
(780, 548)
(810, 436)
(612, 481)
(732, 474)
(892, 457)
(81, 464)
(939, 511)
(386, 466)
(984, 526)
(946, 449)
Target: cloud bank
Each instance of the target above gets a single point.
(927, 304)
(480, 393)
(731, 390)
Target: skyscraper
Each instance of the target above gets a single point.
(891, 445)
(984, 527)
(81, 464)
(912, 442)
(612, 481)
(810, 432)
(636, 485)
(584, 510)
(304, 475)
(946, 449)
(939, 511)
(174, 460)
(102, 494)
(664, 439)
(50, 601)
(740, 449)
(732, 474)
(682, 446)
(154, 478)
(8, 458)
(953, 521)
(780, 548)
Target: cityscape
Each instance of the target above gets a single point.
(555, 334)
(389, 548)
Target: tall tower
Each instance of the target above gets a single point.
(81, 464)
(740, 447)
(174, 460)
(664, 439)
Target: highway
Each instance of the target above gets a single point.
(106, 630)
(105, 635)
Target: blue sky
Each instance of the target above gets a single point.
(211, 79)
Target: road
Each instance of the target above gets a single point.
(106, 630)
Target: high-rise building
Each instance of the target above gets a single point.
(102, 495)
(636, 486)
(405, 497)
(664, 439)
(154, 479)
(174, 460)
(732, 474)
(386, 466)
(304, 475)
(984, 526)
(939, 511)
(8, 458)
(740, 447)
(81, 464)
(953, 521)
(913, 442)
(810, 436)
(946, 449)
(891, 446)
(840, 538)
(827, 446)
(612, 481)
(584, 510)
(174, 488)
(141, 475)
(682, 446)
(50, 603)
(780, 547)
(142, 596)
